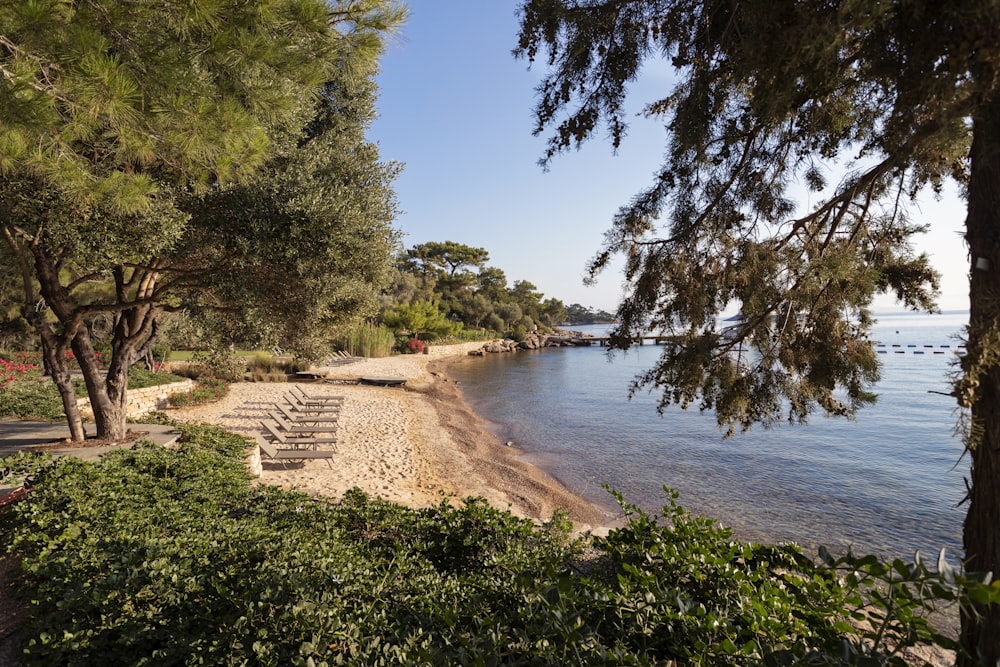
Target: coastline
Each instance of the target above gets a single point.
(416, 446)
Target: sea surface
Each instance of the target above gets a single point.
(888, 483)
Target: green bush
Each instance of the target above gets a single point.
(263, 367)
(264, 363)
(207, 390)
(139, 377)
(155, 557)
(221, 364)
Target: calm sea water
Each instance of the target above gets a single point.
(889, 482)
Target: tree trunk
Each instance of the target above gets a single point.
(981, 626)
(107, 396)
(55, 360)
(53, 345)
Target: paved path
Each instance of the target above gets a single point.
(19, 435)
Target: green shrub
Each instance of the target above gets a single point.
(222, 364)
(264, 363)
(263, 367)
(31, 398)
(467, 336)
(139, 377)
(206, 390)
(154, 556)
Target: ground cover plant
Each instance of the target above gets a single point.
(155, 557)
(206, 390)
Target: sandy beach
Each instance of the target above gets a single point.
(414, 445)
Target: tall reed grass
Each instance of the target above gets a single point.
(369, 340)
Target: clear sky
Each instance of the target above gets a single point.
(455, 108)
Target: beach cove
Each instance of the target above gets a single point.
(416, 445)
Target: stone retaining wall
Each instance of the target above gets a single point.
(140, 401)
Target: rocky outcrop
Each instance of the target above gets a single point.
(531, 342)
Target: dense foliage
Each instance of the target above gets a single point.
(132, 134)
(577, 314)
(155, 557)
(439, 288)
(206, 390)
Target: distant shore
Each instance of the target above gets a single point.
(415, 446)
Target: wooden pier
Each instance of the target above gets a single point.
(880, 348)
(639, 340)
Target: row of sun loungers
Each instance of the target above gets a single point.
(342, 358)
(302, 427)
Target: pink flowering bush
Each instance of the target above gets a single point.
(16, 370)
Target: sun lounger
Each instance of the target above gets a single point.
(304, 397)
(304, 416)
(297, 406)
(297, 440)
(342, 359)
(269, 451)
(300, 428)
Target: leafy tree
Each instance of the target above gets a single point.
(448, 265)
(477, 309)
(524, 294)
(492, 283)
(116, 118)
(448, 257)
(552, 312)
(768, 97)
(509, 313)
(423, 319)
(579, 314)
(305, 246)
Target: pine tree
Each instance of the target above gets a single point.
(770, 96)
(114, 115)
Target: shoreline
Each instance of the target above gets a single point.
(417, 446)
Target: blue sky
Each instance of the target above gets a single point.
(456, 109)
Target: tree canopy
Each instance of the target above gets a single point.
(442, 273)
(862, 104)
(124, 124)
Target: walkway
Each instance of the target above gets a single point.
(16, 436)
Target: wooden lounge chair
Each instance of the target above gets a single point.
(269, 451)
(298, 428)
(298, 440)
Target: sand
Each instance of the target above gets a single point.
(416, 445)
